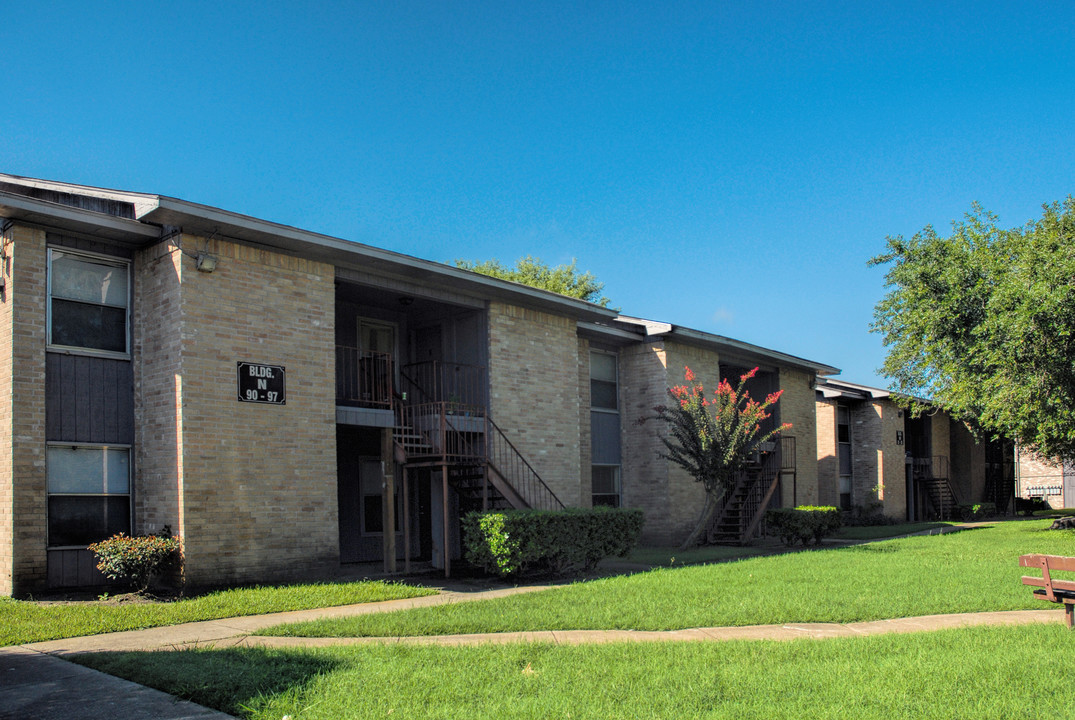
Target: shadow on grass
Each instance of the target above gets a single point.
(234, 681)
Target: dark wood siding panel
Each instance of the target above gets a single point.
(94, 246)
(88, 399)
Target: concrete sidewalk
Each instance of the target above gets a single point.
(35, 682)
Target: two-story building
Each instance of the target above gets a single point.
(873, 455)
(290, 403)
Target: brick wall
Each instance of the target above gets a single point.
(533, 382)
(585, 439)
(644, 478)
(865, 452)
(828, 464)
(156, 352)
(798, 406)
(1041, 474)
(893, 461)
(257, 483)
(23, 498)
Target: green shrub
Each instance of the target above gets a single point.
(517, 541)
(977, 511)
(1029, 506)
(139, 559)
(803, 523)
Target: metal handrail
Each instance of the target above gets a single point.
(529, 485)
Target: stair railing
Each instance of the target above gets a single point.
(446, 404)
(744, 505)
(506, 460)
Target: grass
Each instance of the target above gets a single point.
(671, 557)
(26, 621)
(981, 672)
(968, 571)
(875, 532)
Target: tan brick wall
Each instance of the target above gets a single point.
(967, 461)
(893, 460)
(865, 452)
(156, 352)
(798, 406)
(257, 496)
(585, 438)
(828, 464)
(23, 530)
(534, 388)
(644, 477)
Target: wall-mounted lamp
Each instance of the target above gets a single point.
(205, 262)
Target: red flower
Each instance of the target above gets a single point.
(688, 374)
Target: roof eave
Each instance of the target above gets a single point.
(205, 220)
(43, 213)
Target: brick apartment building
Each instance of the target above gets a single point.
(291, 403)
(872, 454)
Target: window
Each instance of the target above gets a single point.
(603, 385)
(88, 301)
(843, 446)
(605, 482)
(89, 493)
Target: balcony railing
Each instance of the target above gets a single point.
(363, 378)
(463, 387)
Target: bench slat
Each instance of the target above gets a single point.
(1056, 562)
(1065, 585)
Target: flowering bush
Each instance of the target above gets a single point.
(713, 437)
(139, 559)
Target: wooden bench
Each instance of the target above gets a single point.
(1049, 588)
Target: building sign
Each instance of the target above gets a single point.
(899, 437)
(261, 383)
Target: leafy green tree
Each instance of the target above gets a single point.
(529, 270)
(982, 323)
(712, 439)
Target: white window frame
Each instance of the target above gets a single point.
(75, 349)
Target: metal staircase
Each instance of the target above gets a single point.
(444, 422)
(932, 477)
(743, 509)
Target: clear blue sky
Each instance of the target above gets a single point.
(726, 166)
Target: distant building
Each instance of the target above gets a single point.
(872, 455)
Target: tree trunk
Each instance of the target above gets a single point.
(709, 510)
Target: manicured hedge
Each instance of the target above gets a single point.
(516, 541)
(803, 523)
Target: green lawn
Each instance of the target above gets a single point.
(24, 621)
(967, 571)
(982, 672)
(874, 532)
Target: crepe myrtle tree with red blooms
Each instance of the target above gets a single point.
(712, 438)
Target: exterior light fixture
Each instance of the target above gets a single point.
(205, 262)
